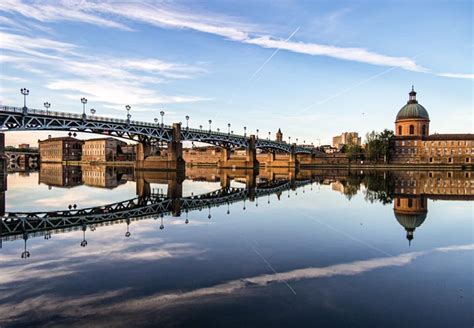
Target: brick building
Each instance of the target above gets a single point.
(414, 144)
(60, 149)
(102, 149)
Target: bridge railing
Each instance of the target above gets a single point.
(43, 112)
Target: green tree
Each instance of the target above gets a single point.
(379, 145)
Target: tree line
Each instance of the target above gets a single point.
(377, 148)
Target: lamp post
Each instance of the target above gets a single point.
(210, 122)
(162, 113)
(228, 128)
(127, 108)
(200, 127)
(25, 92)
(245, 131)
(92, 111)
(269, 135)
(218, 130)
(296, 140)
(84, 102)
(257, 133)
(47, 105)
(187, 121)
(289, 140)
(156, 120)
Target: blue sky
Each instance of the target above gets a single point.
(312, 68)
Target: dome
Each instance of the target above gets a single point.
(412, 110)
(410, 221)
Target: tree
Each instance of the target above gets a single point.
(379, 145)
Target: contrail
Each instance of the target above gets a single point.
(272, 55)
(348, 89)
(260, 68)
(354, 86)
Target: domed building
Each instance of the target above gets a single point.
(412, 119)
(414, 144)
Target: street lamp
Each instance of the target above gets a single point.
(162, 113)
(92, 111)
(210, 122)
(296, 140)
(200, 127)
(257, 133)
(245, 131)
(187, 120)
(218, 130)
(289, 140)
(84, 102)
(156, 120)
(47, 105)
(25, 92)
(269, 135)
(127, 108)
(228, 128)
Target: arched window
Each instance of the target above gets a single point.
(410, 202)
(423, 130)
(400, 130)
(412, 129)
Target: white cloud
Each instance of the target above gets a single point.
(107, 79)
(56, 12)
(351, 54)
(166, 16)
(457, 75)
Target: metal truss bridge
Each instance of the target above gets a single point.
(26, 119)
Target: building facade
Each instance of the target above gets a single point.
(414, 145)
(61, 149)
(346, 138)
(102, 149)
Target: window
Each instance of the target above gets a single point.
(423, 130)
(467, 159)
(399, 130)
(431, 159)
(410, 203)
(412, 129)
(450, 160)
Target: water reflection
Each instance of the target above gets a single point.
(408, 191)
(178, 247)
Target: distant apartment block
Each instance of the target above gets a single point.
(24, 146)
(60, 149)
(346, 138)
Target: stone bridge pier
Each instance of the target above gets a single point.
(172, 161)
(274, 160)
(248, 162)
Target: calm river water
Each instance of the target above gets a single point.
(313, 248)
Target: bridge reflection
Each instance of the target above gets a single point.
(407, 191)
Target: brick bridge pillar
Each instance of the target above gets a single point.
(143, 151)
(251, 153)
(225, 154)
(173, 161)
(175, 147)
(293, 159)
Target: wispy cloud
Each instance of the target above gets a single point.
(167, 16)
(57, 12)
(103, 78)
(457, 75)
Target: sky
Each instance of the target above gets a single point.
(312, 68)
